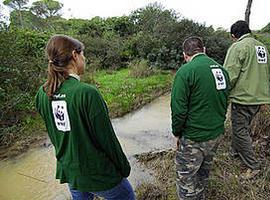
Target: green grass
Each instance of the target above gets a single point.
(124, 93)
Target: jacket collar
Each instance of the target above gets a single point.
(196, 55)
(75, 76)
(244, 36)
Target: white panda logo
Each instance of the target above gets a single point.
(219, 78)
(60, 115)
(261, 54)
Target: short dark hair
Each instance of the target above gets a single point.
(192, 45)
(240, 28)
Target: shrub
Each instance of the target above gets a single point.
(140, 68)
(22, 62)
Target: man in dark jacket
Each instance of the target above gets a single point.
(198, 104)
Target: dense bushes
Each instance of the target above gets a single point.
(152, 34)
(21, 63)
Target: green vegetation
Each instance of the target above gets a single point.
(148, 40)
(126, 59)
(225, 180)
(124, 93)
(120, 89)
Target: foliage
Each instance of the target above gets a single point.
(266, 29)
(217, 44)
(46, 8)
(149, 38)
(264, 38)
(163, 32)
(15, 4)
(30, 21)
(22, 59)
(140, 68)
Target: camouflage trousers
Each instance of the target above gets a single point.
(242, 116)
(193, 164)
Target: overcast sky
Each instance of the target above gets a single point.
(219, 13)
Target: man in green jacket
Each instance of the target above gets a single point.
(247, 62)
(198, 106)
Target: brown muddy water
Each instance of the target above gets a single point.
(31, 176)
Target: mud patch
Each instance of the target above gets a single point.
(162, 164)
(22, 145)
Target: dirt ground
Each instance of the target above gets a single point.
(22, 145)
(224, 182)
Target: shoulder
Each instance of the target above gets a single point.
(88, 90)
(184, 70)
(235, 46)
(40, 93)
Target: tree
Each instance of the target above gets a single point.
(46, 8)
(17, 5)
(30, 21)
(247, 13)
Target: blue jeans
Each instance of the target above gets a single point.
(123, 191)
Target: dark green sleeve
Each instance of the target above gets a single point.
(179, 102)
(105, 135)
(37, 100)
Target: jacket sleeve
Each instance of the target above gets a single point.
(233, 64)
(179, 102)
(105, 136)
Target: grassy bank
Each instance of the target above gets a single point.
(122, 92)
(225, 182)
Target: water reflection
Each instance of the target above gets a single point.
(32, 175)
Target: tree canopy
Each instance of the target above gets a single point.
(46, 8)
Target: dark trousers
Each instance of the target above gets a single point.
(242, 116)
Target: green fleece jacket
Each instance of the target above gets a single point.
(199, 99)
(89, 156)
(247, 62)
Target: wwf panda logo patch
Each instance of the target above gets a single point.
(261, 54)
(219, 79)
(60, 115)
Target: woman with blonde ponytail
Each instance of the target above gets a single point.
(89, 156)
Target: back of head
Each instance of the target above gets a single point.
(59, 52)
(240, 28)
(192, 46)
(59, 49)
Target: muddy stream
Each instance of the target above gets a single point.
(31, 176)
